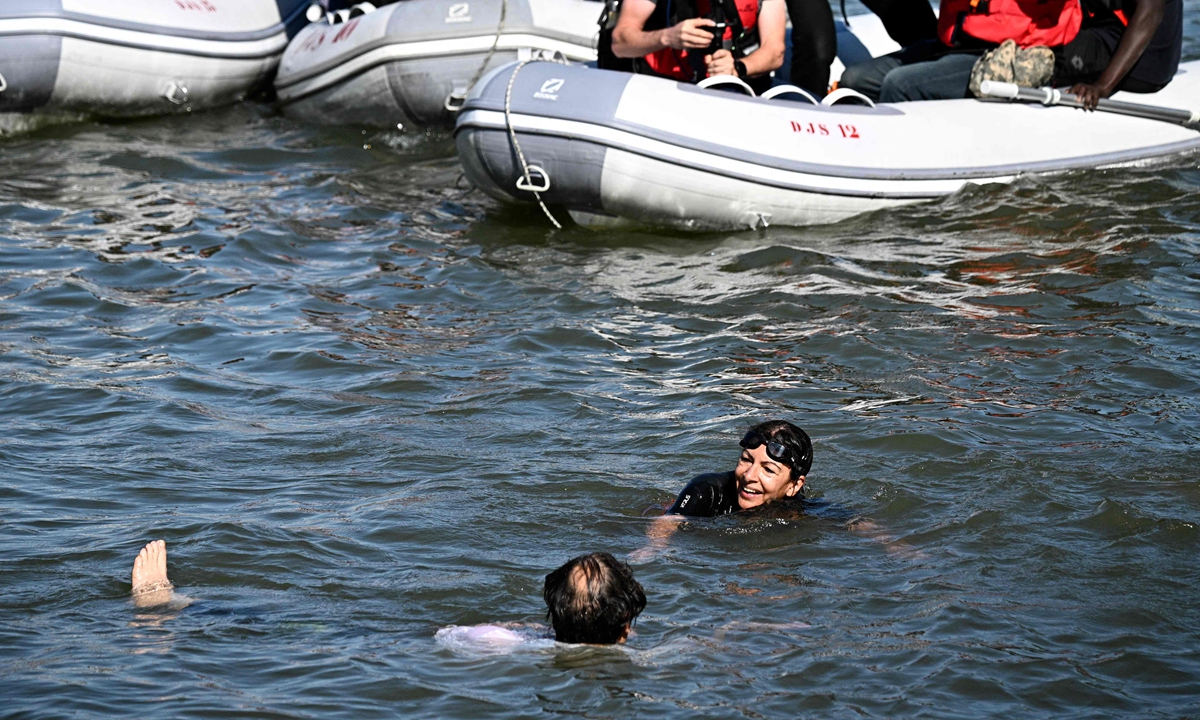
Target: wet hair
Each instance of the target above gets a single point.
(592, 599)
(793, 438)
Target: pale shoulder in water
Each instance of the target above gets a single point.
(494, 638)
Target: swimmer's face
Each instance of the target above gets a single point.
(761, 480)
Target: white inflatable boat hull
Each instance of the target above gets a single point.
(400, 64)
(616, 148)
(136, 57)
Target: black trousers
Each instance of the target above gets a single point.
(814, 38)
(1084, 58)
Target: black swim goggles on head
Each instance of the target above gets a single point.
(777, 451)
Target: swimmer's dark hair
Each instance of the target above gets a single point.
(794, 438)
(598, 606)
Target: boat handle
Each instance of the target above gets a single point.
(171, 95)
(846, 95)
(731, 80)
(523, 184)
(454, 102)
(789, 90)
(3, 83)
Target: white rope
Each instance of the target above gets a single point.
(482, 66)
(512, 136)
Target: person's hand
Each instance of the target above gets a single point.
(720, 63)
(690, 34)
(1089, 95)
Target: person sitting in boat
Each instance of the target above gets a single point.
(690, 40)
(1085, 45)
(591, 599)
(1129, 45)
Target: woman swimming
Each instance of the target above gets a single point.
(775, 460)
(776, 457)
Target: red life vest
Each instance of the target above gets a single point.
(674, 63)
(1026, 22)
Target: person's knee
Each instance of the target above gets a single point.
(898, 87)
(941, 80)
(857, 77)
(867, 77)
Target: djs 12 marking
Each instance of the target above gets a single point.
(849, 132)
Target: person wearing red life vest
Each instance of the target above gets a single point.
(684, 40)
(1095, 53)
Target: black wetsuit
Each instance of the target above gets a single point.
(707, 495)
(713, 494)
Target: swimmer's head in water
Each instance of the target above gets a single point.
(593, 599)
(785, 443)
(775, 458)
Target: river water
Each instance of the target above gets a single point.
(361, 405)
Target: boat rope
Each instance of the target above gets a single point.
(512, 136)
(451, 103)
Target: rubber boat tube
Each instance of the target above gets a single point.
(136, 57)
(412, 62)
(613, 148)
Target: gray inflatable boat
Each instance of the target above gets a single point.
(412, 62)
(611, 148)
(135, 57)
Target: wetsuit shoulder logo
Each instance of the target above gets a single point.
(550, 89)
(459, 13)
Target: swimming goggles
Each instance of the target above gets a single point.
(777, 451)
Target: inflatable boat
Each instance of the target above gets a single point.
(412, 62)
(136, 57)
(612, 148)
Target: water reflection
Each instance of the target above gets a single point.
(390, 406)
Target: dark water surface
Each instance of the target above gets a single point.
(360, 406)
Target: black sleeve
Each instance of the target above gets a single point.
(701, 498)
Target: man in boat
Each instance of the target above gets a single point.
(591, 599)
(1093, 47)
(691, 40)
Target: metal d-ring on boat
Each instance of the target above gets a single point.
(637, 149)
(412, 63)
(136, 57)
